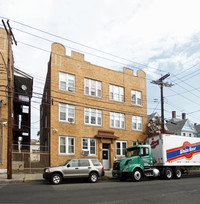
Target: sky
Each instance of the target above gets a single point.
(157, 36)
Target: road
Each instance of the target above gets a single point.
(185, 190)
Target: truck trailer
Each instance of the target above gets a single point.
(166, 156)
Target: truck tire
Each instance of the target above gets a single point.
(168, 174)
(177, 173)
(56, 179)
(137, 175)
(93, 177)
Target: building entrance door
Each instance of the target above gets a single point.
(106, 156)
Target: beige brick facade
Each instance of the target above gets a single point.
(3, 100)
(77, 66)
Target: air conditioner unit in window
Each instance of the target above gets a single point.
(70, 120)
(70, 89)
(85, 153)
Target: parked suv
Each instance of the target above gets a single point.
(75, 168)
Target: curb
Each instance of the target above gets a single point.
(31, 180)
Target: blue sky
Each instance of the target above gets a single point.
(158, 36)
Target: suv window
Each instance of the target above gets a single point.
(96, 162)
(73, 163)
(84, 163)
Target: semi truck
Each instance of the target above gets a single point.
(166, 156)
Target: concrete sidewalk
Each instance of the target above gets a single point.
(36, 178)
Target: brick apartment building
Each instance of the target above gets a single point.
(90, 111)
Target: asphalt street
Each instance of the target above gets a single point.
(185, 190)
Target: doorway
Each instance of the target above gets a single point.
(106, 156)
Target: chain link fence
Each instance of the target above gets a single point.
(29, 159)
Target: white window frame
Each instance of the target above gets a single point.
(68, 119)
(95, 113)
(67, 145)
(117, 120)
(116, 93)
(121, 147)
(66, 78)
(92, 86)
(137, 123)
(89, 146)
(138, 97)
(137, 143)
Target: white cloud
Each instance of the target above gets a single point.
(163, 34)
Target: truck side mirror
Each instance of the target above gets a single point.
(68, 165)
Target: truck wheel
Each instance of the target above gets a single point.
(56, 179)
(168, 173)
(177, 173)
(136, 175)
(93, 177)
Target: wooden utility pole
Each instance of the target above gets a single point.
(160, 82)
(10, 79)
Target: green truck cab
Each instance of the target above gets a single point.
(137, 163)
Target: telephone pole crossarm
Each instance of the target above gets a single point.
(160, 82)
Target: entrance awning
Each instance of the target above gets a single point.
(106, 134)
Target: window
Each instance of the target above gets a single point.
(96, 162)
(66, 82)
(137, 143)
(73, 163)
(92, 88)
(89, 145)
(117, 120)
(84, 163)
(23, 98)
(144, 151)
(93, 117)
(25, 109)
(66, 145)
(136, 97)
(116, 93)
(67, 113)
(121, 148)
(137, 123)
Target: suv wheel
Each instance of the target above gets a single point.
(56, 179)
(93, 177)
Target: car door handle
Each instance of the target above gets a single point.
(76, 168)
(89, 167)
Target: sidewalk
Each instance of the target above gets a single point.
(35, 178)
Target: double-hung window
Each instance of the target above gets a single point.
(117, 120)
(92, 88)
(116, 93)
(89, 145)
(137, 123)
(66, 145)
(93, 117)
(66, 113)
(66, 82)
(136, 97)
(121, 148)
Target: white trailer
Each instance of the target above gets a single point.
(174, 150)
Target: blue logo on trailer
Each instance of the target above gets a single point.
(187, 151)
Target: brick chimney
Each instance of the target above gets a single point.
(183, 116)
(173, 114)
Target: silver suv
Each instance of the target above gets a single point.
(75, 168)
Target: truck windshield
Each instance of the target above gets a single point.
(132, 152)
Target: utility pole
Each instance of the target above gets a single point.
(10, 79)
(160, 82)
